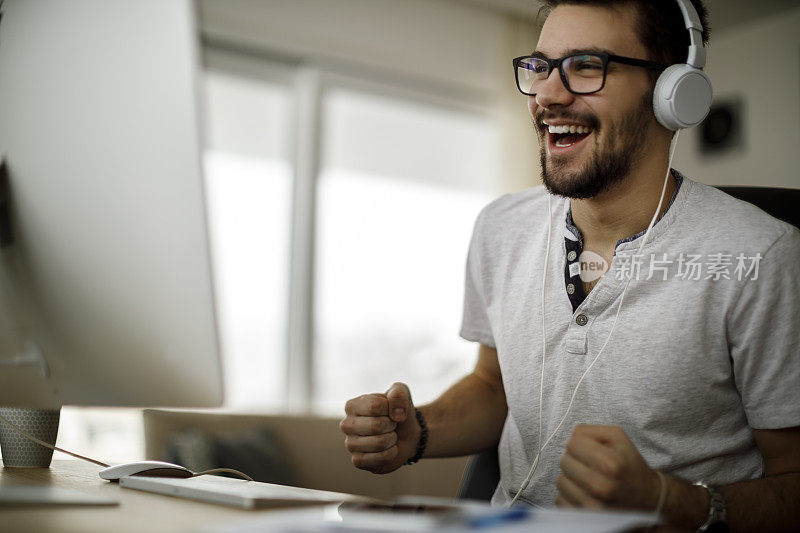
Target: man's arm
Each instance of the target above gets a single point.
(766, 504)
(602, 469)
(382, 432)
(469, 417)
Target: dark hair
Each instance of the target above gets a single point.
(661, 27)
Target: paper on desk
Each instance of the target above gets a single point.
(329, 520)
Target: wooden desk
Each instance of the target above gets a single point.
(137, 511)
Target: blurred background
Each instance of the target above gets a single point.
(350, 144)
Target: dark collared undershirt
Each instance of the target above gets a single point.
(573, 248)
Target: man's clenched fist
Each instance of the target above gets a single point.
(603, 469)
(382, 429)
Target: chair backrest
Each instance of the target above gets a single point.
(783, 204)
(483, 471)
(481, 476)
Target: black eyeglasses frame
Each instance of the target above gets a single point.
(557, 63)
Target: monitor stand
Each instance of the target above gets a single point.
(32, 356)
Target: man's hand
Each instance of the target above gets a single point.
(382, 429)
(603, 469)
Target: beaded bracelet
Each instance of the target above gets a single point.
(423, 439)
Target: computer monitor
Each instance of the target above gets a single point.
(107, 272)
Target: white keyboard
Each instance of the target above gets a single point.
(236, 492)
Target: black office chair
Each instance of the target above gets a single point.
(482, 473)
(481, 476)
(783, 204)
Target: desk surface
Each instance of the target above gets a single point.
(137, 511)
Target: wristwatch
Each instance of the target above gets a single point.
(716, 511)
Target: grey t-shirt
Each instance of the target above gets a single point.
(707, 344)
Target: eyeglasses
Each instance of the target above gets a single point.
(581, 73)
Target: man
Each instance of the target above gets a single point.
(696, 379)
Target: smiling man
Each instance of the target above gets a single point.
(669, 383)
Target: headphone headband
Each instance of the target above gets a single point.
(697, 54)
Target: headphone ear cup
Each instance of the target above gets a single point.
(682, 97)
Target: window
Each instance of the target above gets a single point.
(111, 435)
(400, 187)
(249, 177)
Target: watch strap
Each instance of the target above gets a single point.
(716, 510)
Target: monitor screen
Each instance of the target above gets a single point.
(105, 271)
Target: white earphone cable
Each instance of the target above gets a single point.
(541, 446)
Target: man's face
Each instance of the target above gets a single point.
(619, 117)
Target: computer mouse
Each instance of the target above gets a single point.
(145, 468)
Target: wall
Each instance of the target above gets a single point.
(428, 41)
(521, 168)
(759, 63)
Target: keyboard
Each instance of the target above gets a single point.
(237, 492)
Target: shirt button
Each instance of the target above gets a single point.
(572, 255)
(581, 319)
(570, 289)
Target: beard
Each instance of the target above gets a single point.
(607, 166)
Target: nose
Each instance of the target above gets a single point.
(552, 92)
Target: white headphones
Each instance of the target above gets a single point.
(682, 96)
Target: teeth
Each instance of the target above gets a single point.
(560, 143)
(568, 129)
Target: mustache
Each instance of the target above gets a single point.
(587, 119)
